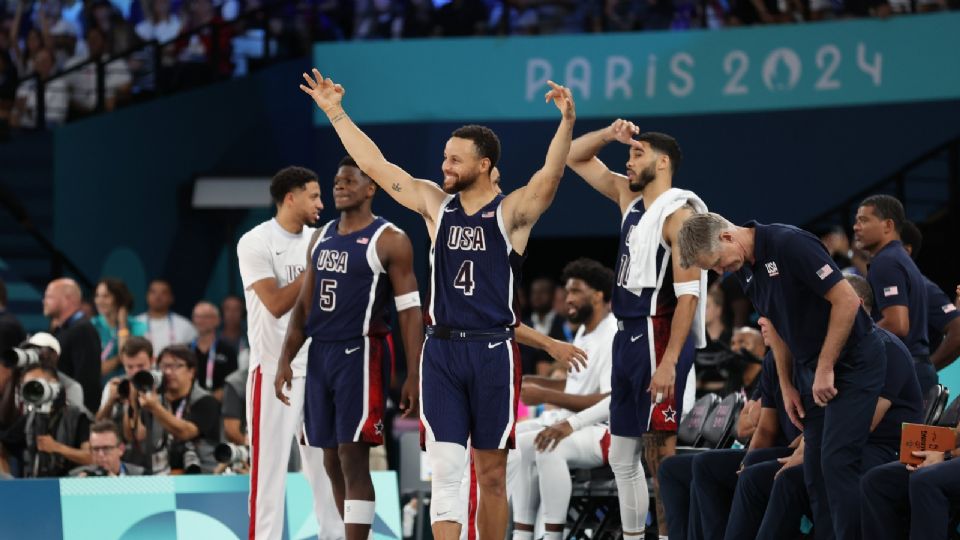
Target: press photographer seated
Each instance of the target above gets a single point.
(136, 356)
(51, 437)
(106, 450)
(178, 426)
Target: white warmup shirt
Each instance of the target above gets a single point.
(270, 251)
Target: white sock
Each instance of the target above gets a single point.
(522, 535)
(552, 535)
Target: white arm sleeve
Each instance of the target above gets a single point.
(596, 413)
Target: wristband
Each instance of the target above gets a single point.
(123, 332)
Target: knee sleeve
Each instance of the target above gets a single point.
(631, 482)
(447, 462)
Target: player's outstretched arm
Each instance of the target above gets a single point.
(421, 196)
(399, 261)
(584, 161)
(568, 354)
(296, 336)
(524, 206)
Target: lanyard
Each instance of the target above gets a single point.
(173, 337)
(211, 361)
(179, 412)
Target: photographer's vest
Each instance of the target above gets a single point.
(62, 426)
(164, 445)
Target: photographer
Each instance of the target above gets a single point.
(179, 425)
(52, 435)
(47, 349)
(106, 449)
(135, 356)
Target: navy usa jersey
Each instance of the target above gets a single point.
(474, 269)
(351, 287)
(650, 302)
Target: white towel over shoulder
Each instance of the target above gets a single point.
(646, 238)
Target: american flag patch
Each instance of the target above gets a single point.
(949, 308)
(824, 272)
(363, 240)
(487, 214)
(890, 291)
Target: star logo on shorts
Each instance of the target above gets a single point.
(378, 427)
(669, 415)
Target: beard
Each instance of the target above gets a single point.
(581, 314)
(643, 178)
(461, 183)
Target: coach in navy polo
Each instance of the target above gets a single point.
(899, 291)
(840, 363)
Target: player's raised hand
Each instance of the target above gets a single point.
(325, 93)
(623, 131)
(562, 98)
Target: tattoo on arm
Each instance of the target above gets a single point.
(396, 186)
(338, 117)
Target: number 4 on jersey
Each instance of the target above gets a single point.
(464, 280)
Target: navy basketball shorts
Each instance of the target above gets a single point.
(345, 391)
(638, 348)
(469, 389)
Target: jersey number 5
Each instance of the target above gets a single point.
(328, 295)
(464, 280)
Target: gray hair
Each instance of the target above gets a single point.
(862, 287)
(700, 235)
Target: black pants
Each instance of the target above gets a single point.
(897, 502)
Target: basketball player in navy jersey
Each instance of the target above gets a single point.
(653, 350)
(470, 364)
(356, 262)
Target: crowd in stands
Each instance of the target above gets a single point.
(204, 40)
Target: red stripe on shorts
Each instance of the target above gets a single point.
(255, 442)
(605, 447)
(372, 431)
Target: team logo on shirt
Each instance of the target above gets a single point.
(890, 291)
(363, 240)
(949, 308)
(292, 271)
(466, 238)
(332, 260)
(824, 272)
(772, 269)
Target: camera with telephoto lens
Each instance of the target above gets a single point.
(40, 394)
(18, 358)
(191, 460)
(143, 381)
(231, 454)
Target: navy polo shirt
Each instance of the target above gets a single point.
(901, 388)
(772, 398)
(896, 281)
(787, 283)
(940, 313)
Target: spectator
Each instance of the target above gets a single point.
(217, 358)
(52, 439)
(184, 419)
(234, 410)
(159, 25)
(717, 330)
(838, 244)
(79, 340)
(49, 349)
(382, 19)
(462, 18)
(545, 320)
(163, 326)
(204, 56)
(417, 18)
(11, 331)
(234, 331)
(114, 324)
(106, 450)
(135, 356)
(23, 56)
(55, 96)
(748, 344)
(83, 83)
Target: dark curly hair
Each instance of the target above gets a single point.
(289, 179)
(594, 274)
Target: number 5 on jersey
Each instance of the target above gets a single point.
(328, 295)
(464, 280)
